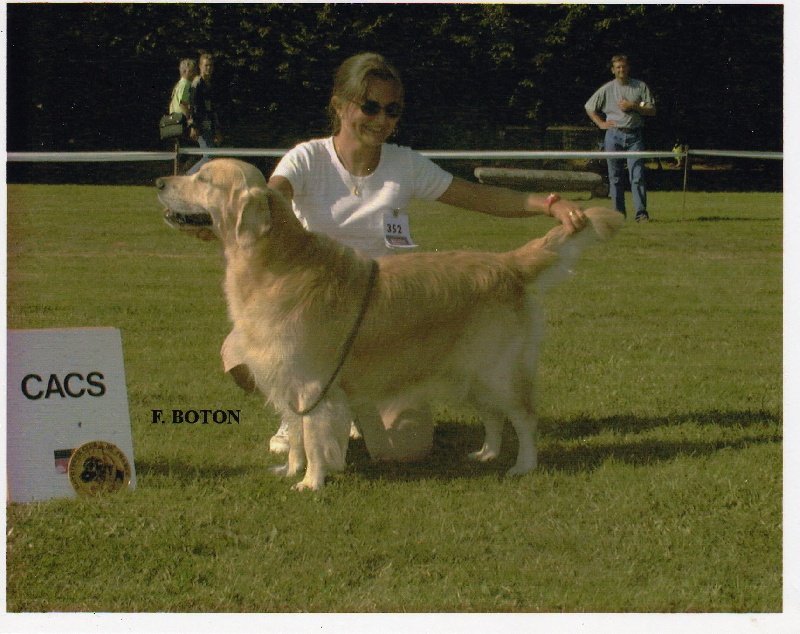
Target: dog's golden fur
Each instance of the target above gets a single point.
(458, 325)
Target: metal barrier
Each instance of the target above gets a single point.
(77, 157)
(74, 157)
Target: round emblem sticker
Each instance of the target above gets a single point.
(97, 468)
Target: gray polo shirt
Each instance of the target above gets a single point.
(606, 98)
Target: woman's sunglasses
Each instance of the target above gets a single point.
(393, 110)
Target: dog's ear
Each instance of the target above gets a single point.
(254, 219)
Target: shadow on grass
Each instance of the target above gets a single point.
(565, 446)
(562, 447)
(712, 219)
(724, 219)
(185, 473)
(587, 425)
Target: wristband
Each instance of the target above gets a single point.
(552, 198)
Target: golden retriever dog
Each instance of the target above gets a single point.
(328, 331)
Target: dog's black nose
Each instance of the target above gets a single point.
(161, 183)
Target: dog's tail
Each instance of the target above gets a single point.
(548, 260)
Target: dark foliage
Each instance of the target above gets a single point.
(98, 76)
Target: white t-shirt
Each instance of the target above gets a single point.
(324, 197)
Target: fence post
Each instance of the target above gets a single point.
(685, 179)
(177, 154)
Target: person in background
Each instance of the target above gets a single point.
(182, 92)
(680, 149)
(205, 128)
(619, 107)
(181, 99)
(342, 186)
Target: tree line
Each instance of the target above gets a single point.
(98, 76)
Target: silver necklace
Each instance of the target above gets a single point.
(356, 182)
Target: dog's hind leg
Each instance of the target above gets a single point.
(521, 411)
(527, 455)
(520, 399)
(524, 424)
(493, 421)
(509, 395)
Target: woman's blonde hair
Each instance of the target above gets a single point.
(188, 64)
(351, 80)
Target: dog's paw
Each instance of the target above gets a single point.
(308, 485)
(484, 455)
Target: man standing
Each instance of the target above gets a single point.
(619, 108)
(205, 125)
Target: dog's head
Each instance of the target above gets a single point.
(226, 199)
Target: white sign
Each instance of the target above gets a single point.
(396, 231)
(65, 388)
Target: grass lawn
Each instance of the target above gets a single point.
(660, 479)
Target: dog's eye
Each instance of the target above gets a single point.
(201, 178)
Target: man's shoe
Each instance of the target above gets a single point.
(642, 217)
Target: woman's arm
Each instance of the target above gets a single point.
(507, 203)
(282, 184)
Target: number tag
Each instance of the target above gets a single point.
(395, 230)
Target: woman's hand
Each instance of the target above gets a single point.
(569, 214)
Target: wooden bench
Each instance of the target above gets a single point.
(544, 180)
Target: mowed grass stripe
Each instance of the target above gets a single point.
(660, 479)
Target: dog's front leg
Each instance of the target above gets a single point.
(326, 432)
(297, 454)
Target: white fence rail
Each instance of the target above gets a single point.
(78, 157)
